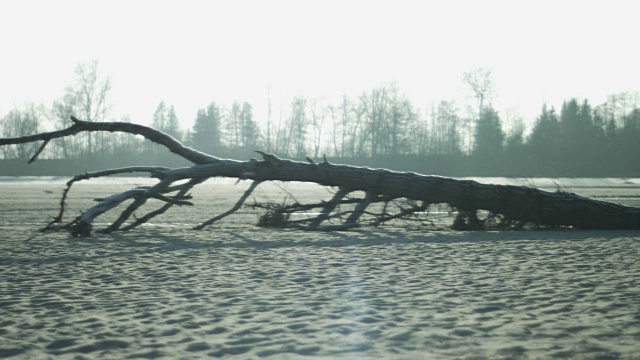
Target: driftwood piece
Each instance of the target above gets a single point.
(508, 206)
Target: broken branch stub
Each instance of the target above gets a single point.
(516, 205)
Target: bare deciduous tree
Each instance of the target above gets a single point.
(87, 95)
(444, 134)
(373, 105)
(482, 84)
(318, 114)
(20, 122)
(298, 124)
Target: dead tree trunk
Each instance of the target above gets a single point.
(507, 206)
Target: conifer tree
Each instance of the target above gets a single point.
(488, 136)
(206, 129)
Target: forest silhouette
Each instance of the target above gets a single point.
(379, 128)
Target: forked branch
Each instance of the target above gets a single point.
(507, 205)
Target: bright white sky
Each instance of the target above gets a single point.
(188, 52)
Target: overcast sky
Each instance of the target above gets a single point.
(188, 53)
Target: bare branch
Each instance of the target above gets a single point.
(510, 204)
(403, 213)
(124, 216)
(235, 208)
(35, 156)
(184, 189)
(172, 200)
(83, 225)
(359, 210)
(153, 135)
(156, 171)
(330, 206)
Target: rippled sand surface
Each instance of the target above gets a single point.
(164, 291)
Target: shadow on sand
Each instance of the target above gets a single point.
(150, 241)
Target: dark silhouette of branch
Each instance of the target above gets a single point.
(507, 205)
(235, 208)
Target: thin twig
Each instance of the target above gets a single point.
(233, 209)
(173, 200)
(359, 210)
(35, 156)
(183, 191)
(330, 206)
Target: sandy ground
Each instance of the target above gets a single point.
(235, 290)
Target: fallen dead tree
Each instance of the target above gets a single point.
(410, 194)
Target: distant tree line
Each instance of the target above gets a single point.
(380, 127)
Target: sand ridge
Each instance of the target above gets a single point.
(274, 293)
(238, 291)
